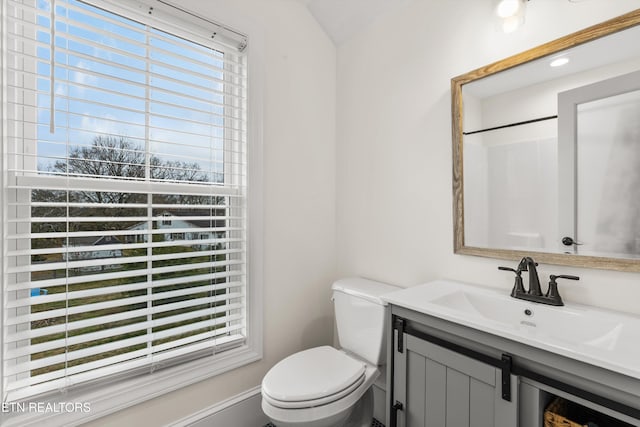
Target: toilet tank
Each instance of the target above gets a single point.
(360, 317)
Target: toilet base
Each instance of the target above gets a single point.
(362, 414)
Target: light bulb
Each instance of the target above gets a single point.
(508, 8)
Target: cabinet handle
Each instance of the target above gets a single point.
(399, 325)
(394, 413)
(506, 367)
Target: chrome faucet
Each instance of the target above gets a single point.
(534, 293)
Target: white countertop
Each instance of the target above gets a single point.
(603, 338)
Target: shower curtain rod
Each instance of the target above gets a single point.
(526, 122)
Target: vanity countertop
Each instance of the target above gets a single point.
(600, 337)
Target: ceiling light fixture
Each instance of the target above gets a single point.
(511, 13)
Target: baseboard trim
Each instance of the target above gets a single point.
(243, 406)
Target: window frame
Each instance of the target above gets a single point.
(108, 395)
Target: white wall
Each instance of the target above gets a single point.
(394, 199)
(299, 197)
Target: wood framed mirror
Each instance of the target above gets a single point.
(546, 159)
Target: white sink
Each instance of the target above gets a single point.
(603, 338)
(569, 325)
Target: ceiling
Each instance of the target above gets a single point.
(341, 19)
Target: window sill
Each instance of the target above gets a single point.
(110, 398)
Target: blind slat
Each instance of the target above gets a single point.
(78, 219)
(112, 261)
(93, 278)
(75, 234)
(29, 181)
(74, 264)
(155, 245)
(121, 302)
(30, 252)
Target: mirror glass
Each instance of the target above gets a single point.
(550, 145)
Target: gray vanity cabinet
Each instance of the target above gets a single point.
(443, 374)
(437, 387)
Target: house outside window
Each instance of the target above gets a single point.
(167, 219)
(119, 119)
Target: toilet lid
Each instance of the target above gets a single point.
(312, 374)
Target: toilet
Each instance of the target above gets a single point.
(327, 387)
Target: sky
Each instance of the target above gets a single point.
(102, 87)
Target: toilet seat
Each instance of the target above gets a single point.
(299, 404)
(311, 378)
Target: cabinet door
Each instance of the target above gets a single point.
(440, 388)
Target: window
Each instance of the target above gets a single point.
(112, 124)
(166, 220)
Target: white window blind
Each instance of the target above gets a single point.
(125, 207)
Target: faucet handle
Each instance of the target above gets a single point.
(518, 287)
(553, 277)
(552, 292)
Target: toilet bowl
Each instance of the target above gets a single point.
(327, 387)
(319, 387)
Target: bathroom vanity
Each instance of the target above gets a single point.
(467, 355)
